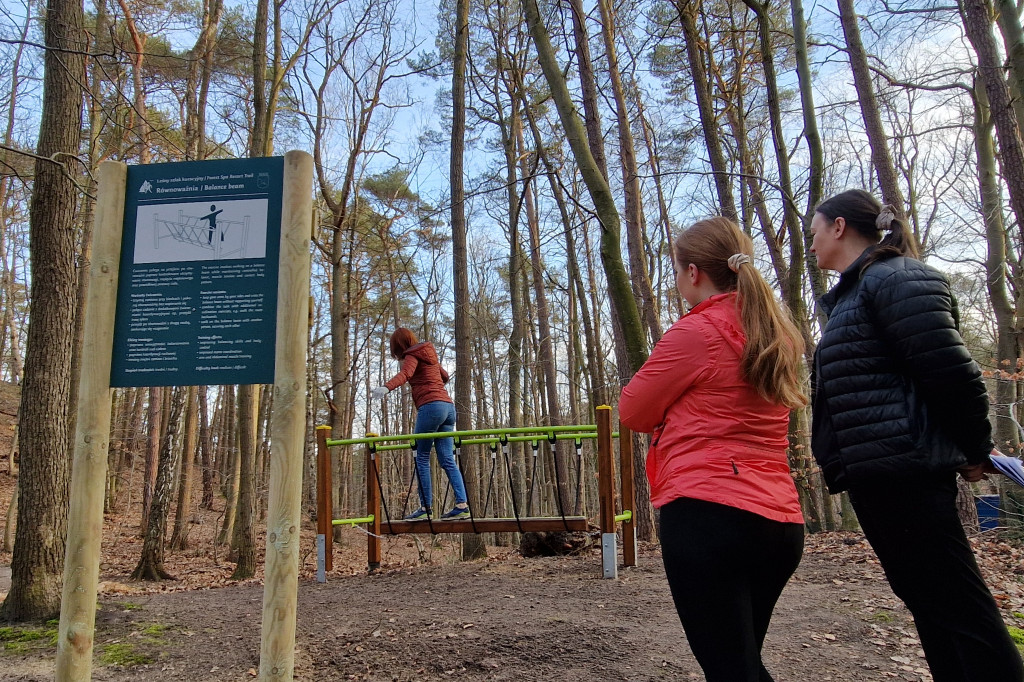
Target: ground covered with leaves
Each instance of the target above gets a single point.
(426, 616)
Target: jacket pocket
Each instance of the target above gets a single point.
(652, 463)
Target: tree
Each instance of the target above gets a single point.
(619, 287)
(881, 159)
(151, 563)
(473, 546)
(37, 561)
(978, 25)
(182, 518)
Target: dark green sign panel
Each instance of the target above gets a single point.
(197, 289)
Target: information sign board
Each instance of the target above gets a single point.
(197, 287)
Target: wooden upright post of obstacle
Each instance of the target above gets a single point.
(372, 507)
(606, 491)
(89, 469)
(324, 512)
(628, 496)
(284, 504)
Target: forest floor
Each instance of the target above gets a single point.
(427, 616)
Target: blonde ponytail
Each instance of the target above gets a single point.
(772, 359)
(773, 355)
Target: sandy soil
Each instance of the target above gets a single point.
(427, 616)
(506, 618)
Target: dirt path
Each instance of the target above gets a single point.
(509, 618)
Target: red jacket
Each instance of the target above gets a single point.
(424, 373)
(715, 438)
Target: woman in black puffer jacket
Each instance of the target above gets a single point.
(899, 407)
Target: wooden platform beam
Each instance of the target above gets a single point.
(528, 525)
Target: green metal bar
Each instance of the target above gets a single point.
(626, 515)
(490, 441)
(543, 430)
(352, 522)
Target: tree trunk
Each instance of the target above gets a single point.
(815, 153)
(182, 517)
(978, 25)
(619, 287)
(1007, 333)
(244, 540)
(881, 159)
(232, 458)
(687, 10)
(473, 546)
(10, 521)
(1008, 17)
(634, 215)
(38, 557)
(151, 563)
(153, 429)
(205, 449)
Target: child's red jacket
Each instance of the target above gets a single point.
(424, 373)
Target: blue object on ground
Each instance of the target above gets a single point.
(988, 511)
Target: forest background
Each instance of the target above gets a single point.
(503, 178)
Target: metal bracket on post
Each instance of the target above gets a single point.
(321, 558)
(609, 555)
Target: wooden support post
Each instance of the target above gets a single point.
(284, 507)
(628, 495)
(89, 466)
(606, 490)
(372, 508)
(324, 511)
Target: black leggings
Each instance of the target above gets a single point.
(726, 568)
(913, 527)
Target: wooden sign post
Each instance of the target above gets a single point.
(175, 262)
(89, 464)
(287, 424)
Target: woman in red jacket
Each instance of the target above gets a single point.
(435, 412)
(716, 392)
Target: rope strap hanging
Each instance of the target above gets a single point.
(490, 483)
(579, 472)
(416, 478)
(380, 485)
(558, 480)
(458, 461)
(533, 477)
(511, 482)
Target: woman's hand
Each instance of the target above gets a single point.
(978, 472)
(378, 393)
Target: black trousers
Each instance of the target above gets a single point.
(912, 525)
(726, 568)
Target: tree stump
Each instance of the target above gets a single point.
(554, 543)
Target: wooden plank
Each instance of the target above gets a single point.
(529, 525)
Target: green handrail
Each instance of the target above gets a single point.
(626, 515)
(490, 441)
(542, 430)
(352, 522)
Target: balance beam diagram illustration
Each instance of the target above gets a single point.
(205, 231)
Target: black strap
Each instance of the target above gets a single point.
(511, 484)
(558, 481)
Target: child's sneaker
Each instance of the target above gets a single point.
(456, 513)
(420, 514)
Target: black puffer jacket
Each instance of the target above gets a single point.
(895, 392)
